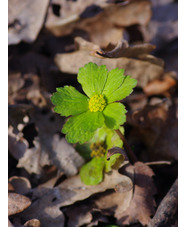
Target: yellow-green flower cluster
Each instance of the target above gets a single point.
(97, 103)
(98, 149)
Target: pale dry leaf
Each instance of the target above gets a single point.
(21, 184)
(17, 203)
(65, 157)
(103, 22)
(73, 189)
(142, 205)
(66, 193)
(25, 19)
(33, 223)
(31, 158)
(143, 71)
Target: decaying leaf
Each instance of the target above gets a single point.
(21, 185)
(143, 71)
(25, 19)
(142, 205)
(48, 214)
(101, 20)
(17, 203)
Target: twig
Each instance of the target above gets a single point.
(167, 208)
(127, 147)
(158, 163)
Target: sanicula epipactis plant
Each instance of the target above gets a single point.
(95, 115)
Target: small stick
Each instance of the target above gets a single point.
(158, 163)
(167, 208)
(128, 149)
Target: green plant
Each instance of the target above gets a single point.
(94, 117)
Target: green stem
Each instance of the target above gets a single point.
(130, 153)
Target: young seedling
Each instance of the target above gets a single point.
(95, 116)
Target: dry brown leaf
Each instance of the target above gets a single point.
(122, 49)
(143, 203)
(25, 19)
(161, 86)
(21, 184)
(48, 214)
(33, 223)
(73, 189)
(105, 25)
(79, 215)
(143, 71)
(17, 203)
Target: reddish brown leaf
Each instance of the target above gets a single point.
(160, 86)
(143, 203)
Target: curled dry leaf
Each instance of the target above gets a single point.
(33, 223)
(17, 203)
(158, 86)
(142, 205)
(122, 49)
(21, 184)
(25, 19)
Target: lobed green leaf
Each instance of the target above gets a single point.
(92, 172)
(92, 78)
(115, 115)
(81, 128)
(123, 91)
(68, 101)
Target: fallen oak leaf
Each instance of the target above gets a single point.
(17, 203)
(48, 214)
(73, 189)
(142, 204)
(141, 70)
